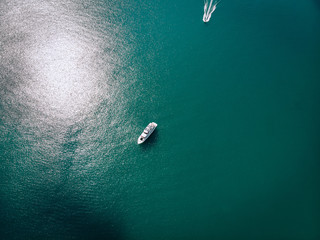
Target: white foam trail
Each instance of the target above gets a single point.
(209, 10)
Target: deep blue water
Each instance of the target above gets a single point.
(237, 149)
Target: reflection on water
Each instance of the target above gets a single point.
(61, 58)
(61, 68)
(61, 82)
(58, 61)
(59, 99)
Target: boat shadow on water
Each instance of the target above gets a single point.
(151, 141)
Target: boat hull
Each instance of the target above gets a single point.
(150, 129)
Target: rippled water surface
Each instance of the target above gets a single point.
(236, 152)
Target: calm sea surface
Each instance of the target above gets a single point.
(236, 154)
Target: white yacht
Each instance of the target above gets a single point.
(147, 132)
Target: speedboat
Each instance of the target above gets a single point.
(147, 132)
(205, 19)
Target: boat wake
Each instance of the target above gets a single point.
(209, 8)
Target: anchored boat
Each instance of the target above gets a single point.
(147, 132)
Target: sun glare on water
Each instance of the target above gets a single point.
(68, 70)
(61, 82)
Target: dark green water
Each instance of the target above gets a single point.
(237, 149)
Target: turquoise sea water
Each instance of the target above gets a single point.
(237, 149)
